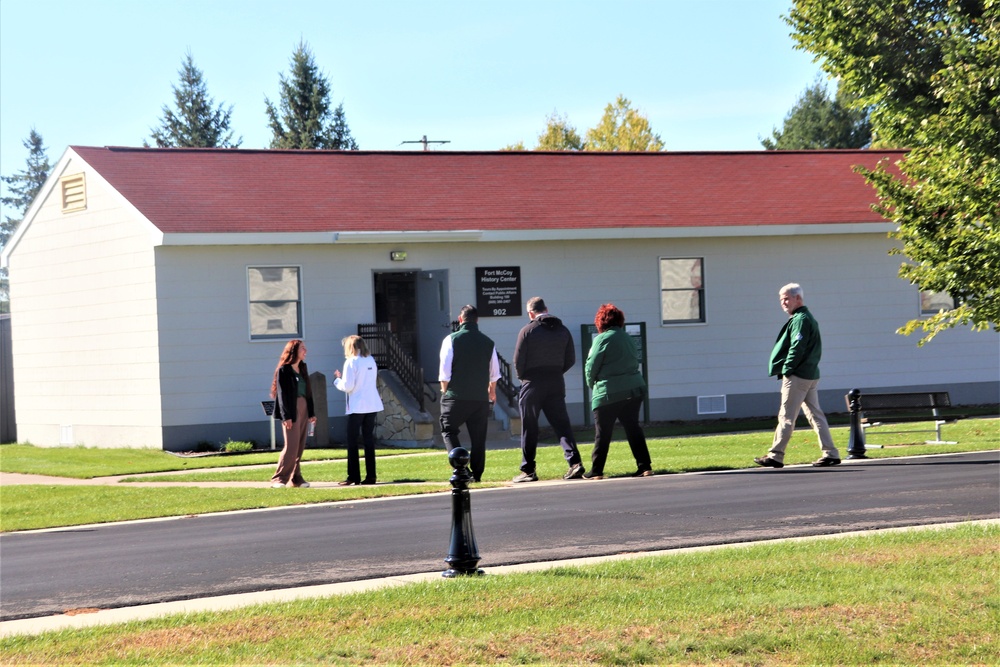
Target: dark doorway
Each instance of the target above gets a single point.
(415, 305)
(396, 303)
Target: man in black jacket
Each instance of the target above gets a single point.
(543, 353)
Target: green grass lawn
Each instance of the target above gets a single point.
(402, 472)
(928, 597)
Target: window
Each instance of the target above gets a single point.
(275, 302)
(682, 290)
(932, 303)
(74, 193)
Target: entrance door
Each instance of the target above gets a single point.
(433, 319)
(415, 304)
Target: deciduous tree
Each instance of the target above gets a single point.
(930, 72)
(303, 117)
(622, 128)
(559, 135)
(820, 121)
(197, 122)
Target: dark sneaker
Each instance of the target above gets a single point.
(575, 472)
(826, 462)
(643, 473)
(525, 477)
(368, 481)
(768, 462)
(592, 475)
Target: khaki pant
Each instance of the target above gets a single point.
(798, 393)
(295, 442)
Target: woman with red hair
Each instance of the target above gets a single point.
(294, 409)
(617, 391)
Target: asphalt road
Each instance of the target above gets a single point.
(119, 565)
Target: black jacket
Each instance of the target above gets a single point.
(288, 384)
(544, 348)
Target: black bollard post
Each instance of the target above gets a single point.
(463, 554)
(856, 441)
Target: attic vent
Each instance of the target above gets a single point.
(74, 193)
(712, 405)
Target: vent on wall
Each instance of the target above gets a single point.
(66, 434)
(712, 405)
(74, 193)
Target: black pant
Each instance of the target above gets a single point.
(545, 396)
(365, 424)
(627, 412)
(476, 417)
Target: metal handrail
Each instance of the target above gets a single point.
(389, 354)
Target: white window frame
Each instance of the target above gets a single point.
(703, 318)
(300, 324)
(926, 312)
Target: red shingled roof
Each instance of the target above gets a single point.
(229, 190)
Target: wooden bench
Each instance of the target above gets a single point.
(877, 410)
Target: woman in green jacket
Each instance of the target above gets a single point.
(617, 391)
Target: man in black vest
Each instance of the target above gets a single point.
(468, 374)
(543, 353)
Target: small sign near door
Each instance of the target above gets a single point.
(498, 291)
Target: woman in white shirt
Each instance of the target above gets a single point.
(359, 382)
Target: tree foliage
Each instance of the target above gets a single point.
(930, 72)
(622, 128)
(197, 122)
(820, 121)
(303, 118)
(23, 187)
(559, 135)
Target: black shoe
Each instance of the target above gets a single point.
(368, 481)
(643, 473)
(768, 462)
(593, 475)
(347, 482)
(575, 471)
(826, 462)
(525, 477)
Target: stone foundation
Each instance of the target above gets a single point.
(401, 423)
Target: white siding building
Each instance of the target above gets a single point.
(152, 290)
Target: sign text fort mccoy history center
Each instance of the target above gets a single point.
(498, 291)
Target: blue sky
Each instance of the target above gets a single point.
(481, 74)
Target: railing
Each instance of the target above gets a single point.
(506, 381)
(389, 354)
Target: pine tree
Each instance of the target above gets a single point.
(305, 119)
(197, 122)
(23, 188)
(819, 121)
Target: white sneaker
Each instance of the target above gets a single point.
(277, 485)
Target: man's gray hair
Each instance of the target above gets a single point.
(536, 305)
(791, 289)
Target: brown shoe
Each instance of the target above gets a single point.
(826, 462)
(768, 462)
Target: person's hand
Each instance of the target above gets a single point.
(312, 420)
(336, 374)
(288, 424)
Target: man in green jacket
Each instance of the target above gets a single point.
(795, 361)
